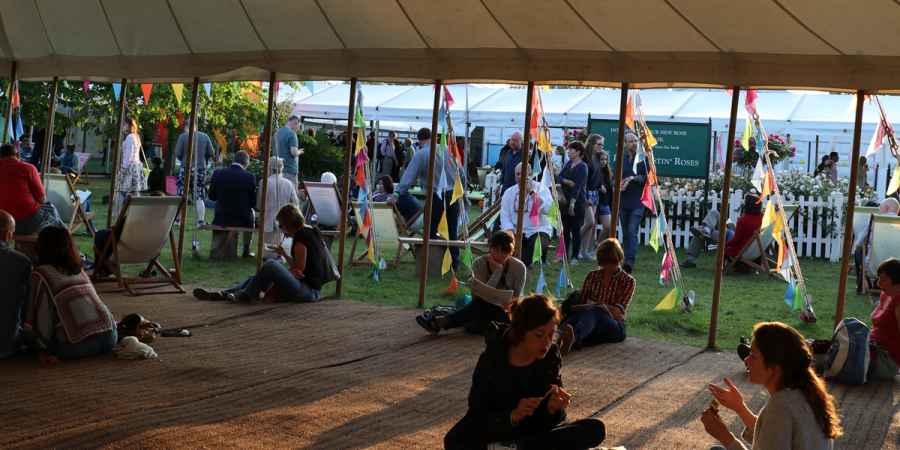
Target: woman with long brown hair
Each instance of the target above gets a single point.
(130, 179)
(800, 413)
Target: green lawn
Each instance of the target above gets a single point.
(745, 299)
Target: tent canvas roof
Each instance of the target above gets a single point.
(831, 44)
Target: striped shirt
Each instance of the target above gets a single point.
(616, 294)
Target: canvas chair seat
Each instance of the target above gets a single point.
(325, 203)
(882, 242)
(61, 194)
(146, 223)
(389, 228)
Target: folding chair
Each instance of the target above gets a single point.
(144, 225)
(61, 193)
(755, 252)
(484, 223)
(882, 242)
(389, 227)
(325, 203)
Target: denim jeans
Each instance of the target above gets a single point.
(476, 316)
(631, 221)
(408, 206)
(572, 229)
(287, 286)
(472, 432)
(46, 216)
(98, 344)
(595, 326)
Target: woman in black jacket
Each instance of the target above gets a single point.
(517, 395)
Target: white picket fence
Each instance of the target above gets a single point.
(817, 227)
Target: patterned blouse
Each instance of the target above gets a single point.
(616, 294)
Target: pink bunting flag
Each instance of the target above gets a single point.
(561, 248)
(534, 214)
(85, 86)
(666, 267)
(647, 198)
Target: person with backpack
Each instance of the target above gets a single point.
(884, 339)
(498, 278)
(800, 413)
(517, 397)
(300, 281)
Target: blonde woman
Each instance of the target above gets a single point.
(130, 180)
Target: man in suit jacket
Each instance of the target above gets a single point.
(234, 191)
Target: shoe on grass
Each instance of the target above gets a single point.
(566, 339)
(212, 296)
(688, 264)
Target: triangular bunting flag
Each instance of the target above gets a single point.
(561, 283)
(553, 215)
(117, 90)
(466, 256)
(147, 89)
(750, 102)
(768, 215)
(895, 182)
(629, 114)
(457, 191)
(653, 241)
(647, 198)
(541, 283)
(534, 213)
(799, 298)
(789, 294)
(561, 247)
(376, 274)
(447, 262)
(371, 239)
(758, 175)
(208, 88)
(178, 90)
(748, 131)
(453, 286)
(669, 301)
(665, 268)
(86, 86)
(768, 186)
(538, 251)
(442, 229)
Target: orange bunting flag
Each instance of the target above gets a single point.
(367, 222)
(16, 103)
(453, 286)
(651, 178)
(537, 111)
(220, 139)
(629, 114)
(146, 88)
(360, 176)
(768, 186)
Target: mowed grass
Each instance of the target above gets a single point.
(745, 298)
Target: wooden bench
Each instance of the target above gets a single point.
(225, 240)
(436, 255)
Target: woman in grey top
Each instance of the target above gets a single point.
(800, 413)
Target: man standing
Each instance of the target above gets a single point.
(535, 225)
(203, 154)
(234, 191)
(631, 210)
(510, 156)
(15, 274)
(445, 173)
(287, 147)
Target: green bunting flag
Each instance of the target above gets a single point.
(553, 214)
(466, 257)
(538, 252)
(653, 242)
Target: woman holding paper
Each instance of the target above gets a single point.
(497, 280)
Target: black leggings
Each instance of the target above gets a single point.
(473, 433)
(476, 316)
(572, 229)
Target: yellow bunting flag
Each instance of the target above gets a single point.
(669, 301)
(745, 138)
(442, 228)
(220, 139)
(769, 215)
(777, 229)
(457, 191)
(895, 182)
(178, 90)
(445, 265)
(371, 250)
(651, 140)
(543, 142)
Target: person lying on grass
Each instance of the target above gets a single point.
(301, 281)
(800, 413)
(517, 394)
(497, 279)
(599, 316)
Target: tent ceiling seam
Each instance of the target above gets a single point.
(790, 117)
(694, 26)
(112, 32)
(579, 101)
(178, 25)
(587, 24)
(499, 24)
(807, 27)
(413, 24)
(253, 26)
(331, 25)
(4, 40)
(394, 97)
(37, 8)
(490, 96)
(683, 104)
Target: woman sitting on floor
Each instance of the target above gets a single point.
(301, 281)
(517, 395)
(800, 413)
(65, 319)
(599, 316)
(498, 278)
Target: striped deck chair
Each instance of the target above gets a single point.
(389, 227)
(755, 252)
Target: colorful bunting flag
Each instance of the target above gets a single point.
(371, 239)
(895, 182)
(665, 268)
(790, 293)
(799, 298)
(758, 174)
(220, 139)
(653, 241)
(537, 111)
(442, 228)
(561, 283)
(117, 90)
(86, 86)
(16, 101)
(647, 198)
(543, 141)
(768, 185)
(453, 286)
(768, 215)
(629, 114)
(466, 256)
(447, 263)
(376, 274)
(541, 283)
(178, 90)
(748, 131)
(553, 215)
(208, 88)
(147, 89)
(669, 301)
(750, 102)
(538, 251)
(382, 264)
(534, 213)
(457, 191)
(561, 247)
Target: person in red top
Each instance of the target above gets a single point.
(599, 315)
(885, 335)
(747, 225)
(23, 194)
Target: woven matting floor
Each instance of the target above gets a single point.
(344, 374)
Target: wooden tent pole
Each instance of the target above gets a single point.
(48, 136)
(851, 203)
(429, 193)
(719, 268)
(116, 152)
(620, 154)
(264, 195)
(523, 177)
(188, 169)
(9, 103)
(345, 187)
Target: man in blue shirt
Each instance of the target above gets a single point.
(15, 274)
(510, 157)
(287, 147)
(445, 173)
(203, 153)
(631, 210)
(68, 162)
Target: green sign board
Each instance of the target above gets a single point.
(682, 150)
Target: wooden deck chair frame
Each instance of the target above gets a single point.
(141, 286)
(79, 216)
(765, 260)
(312, 189)
(871, 257)
(483, 222)
(400, 231)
